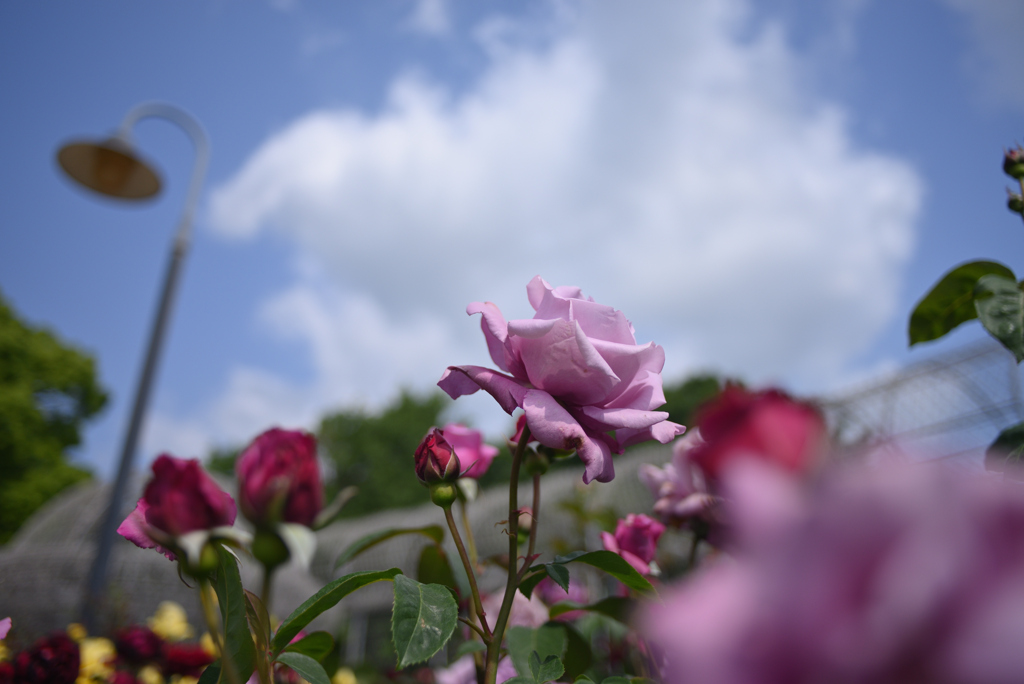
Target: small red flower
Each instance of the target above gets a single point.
(436, 460)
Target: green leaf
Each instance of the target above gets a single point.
(435, 532)
(642, 680)
(1007, 450)
(259, 623)
(1000, 305)
(560, 574)
(238, 642)
(615, 607)
(583, 679)
(305, 667)
(434, 568)
(316, 645)
(545, 641)
(467, 647)
(951, 301)
(325, 599)
(548, 671)
(615, 565)
(531, 581)
(422, 621)
(615, 680)
(578, 656)
(211, 674)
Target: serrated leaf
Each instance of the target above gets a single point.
(550, 670)
(422, 621)
(523, 642)
(1000, 306)
(434, 568)
(325, 599)
(316, 645)
(531, 581)
(950, 302)
(468, 647)
(1006, 452)
(615, 607)
(615, 565)
(259, 624)
(238, 643)
(434, 532)
(304, 666)
(560, 575)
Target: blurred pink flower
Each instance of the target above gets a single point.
(474, 455)
(526, 612)
(550, 593)
(5, 627)
(766, 425)
(279, 476)
(179, 498)
(636, 540)
(463, 671)
(876, 576)
(679, 488)
(576, 370)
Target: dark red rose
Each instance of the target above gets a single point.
(51, 660)
(185, 659)
(123, 677)
(138, 645)
(279, 478)
(6, 673)
(436, 460)
(768, 426)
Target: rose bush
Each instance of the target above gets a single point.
(475, 456)
(180, 498)
(576, 370)
(279, 478)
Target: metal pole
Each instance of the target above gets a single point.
(106, 533)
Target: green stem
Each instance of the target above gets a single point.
(210, 613)
(533, 525)
(268, 576)
(512, 584)
(470, 573)
(470, 542)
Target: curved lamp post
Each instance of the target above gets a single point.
(113, 168)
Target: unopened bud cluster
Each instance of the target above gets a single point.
(1013, 166)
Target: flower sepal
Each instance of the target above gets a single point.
(443, 494)
(197, 552)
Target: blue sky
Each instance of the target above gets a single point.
(764, 188)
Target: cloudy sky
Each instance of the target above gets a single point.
(764, 188)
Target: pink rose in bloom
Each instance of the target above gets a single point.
(576, 370)
(279, 472)
(526, 612)
(436, 461)
(474, 456)
(180, 498)
(874, 576)
(636, 540)
(679, 488)
(767, 425)
(51, 660)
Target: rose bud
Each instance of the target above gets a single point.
(279, 478)
(180, 498)
(51, 660)
(1013, 162)
(436, 460)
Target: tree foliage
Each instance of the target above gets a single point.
(683, 400)
(375, 451)
(48, 389)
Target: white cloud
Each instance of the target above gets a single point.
(998, 58)
(666, 157)
(430, 17)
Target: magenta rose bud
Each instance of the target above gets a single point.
(577, 372)
(51, 660)
(279, 478)
(768, 426)
(636, 540)
(475, 457)
(436, 460)
(180, 498)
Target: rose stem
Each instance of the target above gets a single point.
(533, 526)
(494, 648)
(268, 576)
(477, 605)
(470, 542)
(213, 625)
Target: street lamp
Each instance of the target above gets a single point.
(112, 167)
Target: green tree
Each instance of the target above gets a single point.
(375, 452)
(48, 389)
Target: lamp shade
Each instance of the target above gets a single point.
(110, 167)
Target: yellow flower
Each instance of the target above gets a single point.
(3, 651)
(77, 632)
(344, 675)
(183, 679)
(150, 675)
(97, 660)
(206, 641)
(170, 622)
